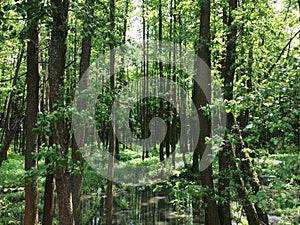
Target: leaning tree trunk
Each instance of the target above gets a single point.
(228, 154)
(249, 208)
(32, 107)
(248, 171)
(57, 59)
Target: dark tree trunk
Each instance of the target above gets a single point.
(32, 107)
(57, 59)
(48, 209)
(77, 179)
(160, 66)
(248, 171)
(225, 157)
(145, 86)
(199, 98)
(226, 160)
(251, 213)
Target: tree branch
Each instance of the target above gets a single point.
(283, 50)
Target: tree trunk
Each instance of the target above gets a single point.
(225, 157)
(32, 107)
(48, 209)
(112, 138)
(77, 179)
(11, 121)
(199, 98)
(57, 59)
(160, 66)
(251, 213)
(248, 171)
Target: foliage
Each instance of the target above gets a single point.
(265, 95)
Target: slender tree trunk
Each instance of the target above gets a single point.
(248, 171)
(160, 66)
(247, 161)
(251, 213)
(199, 98)
(77, 179)
(48, 208)
(57, 59)
(226, 160)
(32, 107)
(112, 138)
(11, 121)
(225, 156)
(145, 86)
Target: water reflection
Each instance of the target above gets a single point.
(136, 206)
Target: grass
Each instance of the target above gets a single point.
(12, 172)
(280, 177)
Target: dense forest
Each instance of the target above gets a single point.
(149, 112)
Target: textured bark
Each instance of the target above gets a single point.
(48, 209)
(199, 98)
(247, 161)
(249, 174)
(225, 156)
(57, 59)
(251, 213)
(32, 107)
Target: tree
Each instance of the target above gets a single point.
(85, 58)
(231, 153)
(225, 157)
(32, 80)
(57, 59)
(199, 98)
(13, 116)
(112, 138)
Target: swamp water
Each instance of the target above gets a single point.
(142, 207)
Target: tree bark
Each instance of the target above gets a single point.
(32, 107)
(57, 59)
(248, 171)
(199, 98)
(225, 156)
(77, 158)
(48, 209)
(251, 213)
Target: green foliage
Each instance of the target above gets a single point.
(265, 91)
(280, 176)
(12, 173)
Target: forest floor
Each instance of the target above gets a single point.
(280, 195)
